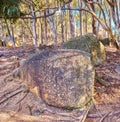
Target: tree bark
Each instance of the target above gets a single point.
(12, 36)
(34, 26)
(23, 35)
(7, 26)
(62, 28)
(86, 23)
(45, 28)
(81, 18)
(53, 27)
(71, 21)
(94, 28)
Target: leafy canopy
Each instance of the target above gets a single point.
(9, 8)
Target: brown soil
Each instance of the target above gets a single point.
(18, 104)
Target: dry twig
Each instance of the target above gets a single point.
(99, 116)
(8, 97)
(103, 118)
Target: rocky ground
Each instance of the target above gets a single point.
(17, 104)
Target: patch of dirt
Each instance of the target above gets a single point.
(17, 103)
(107, 98)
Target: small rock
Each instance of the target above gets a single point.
(117, 69)
(1, 54)
(22, 62)
(14, 58)
(36, 112)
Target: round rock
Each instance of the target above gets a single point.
(64, 78)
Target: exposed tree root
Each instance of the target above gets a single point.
(101, 81)
(7, 96)
(103, 115)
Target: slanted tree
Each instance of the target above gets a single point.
(104, 21)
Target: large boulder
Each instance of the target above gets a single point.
(89, 43)
(63, 78)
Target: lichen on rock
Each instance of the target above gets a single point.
(64, 78)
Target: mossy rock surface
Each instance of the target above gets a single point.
(88, 43)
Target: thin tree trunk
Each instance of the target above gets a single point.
(110, 19)
(53, 28)
(71, 21)
(23, 35)
(41, 33)
(34, 26)
(7, 26)
(3, 33)
(94, 28)
(62, 28)
(45, 28)
(12, 34)
(117, 4)
(98, 26)
(2, 29)
(66, 30)
(86, 24)
(81, 18)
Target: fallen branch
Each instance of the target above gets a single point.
(100, 81)
(4, 95)
(96, 108)
(99, 116)
(4, 100)
(103, 118)
(23, 97)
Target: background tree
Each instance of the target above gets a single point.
(43, 25)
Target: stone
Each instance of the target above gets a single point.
(91, 44)
(14, 58)
(109, 42)
(62, 78)
(36, 112)
(1, 54)
(117, 69)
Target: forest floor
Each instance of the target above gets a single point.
(19, 105)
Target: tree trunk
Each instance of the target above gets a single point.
(98, 26)
(66, 30)
(81, 18)
(7, 26)
(53, 28)
(23, 35)
(117, 4)
(2, 29)
(71, 21)
(62, 28)
(45, 28)
(3, 33)
(13, 38)
(94, 29)
(41, 34)
(34, 26)
(86, 23)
